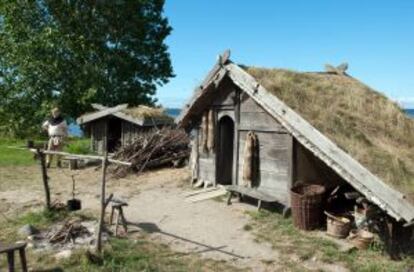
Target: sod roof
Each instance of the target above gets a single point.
(143, 111)
(363, 122)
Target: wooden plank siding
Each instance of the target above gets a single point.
(98, 132)
(274, 175)
(275, 148)
(207, 168)
(253, 117)
(131, 131)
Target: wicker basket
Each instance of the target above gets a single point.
(337, 226)
(306, 202)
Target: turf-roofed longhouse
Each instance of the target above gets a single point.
(323, 127)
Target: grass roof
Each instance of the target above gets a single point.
(371, 128)
(147, 112)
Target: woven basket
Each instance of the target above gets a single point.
(307, 210)
(337, 226)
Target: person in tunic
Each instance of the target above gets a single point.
(57, 129)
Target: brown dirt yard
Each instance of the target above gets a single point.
(156, 205)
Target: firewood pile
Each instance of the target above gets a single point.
(162, 147)
(69, 231)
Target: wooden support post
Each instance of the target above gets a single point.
(259, 204)
(10, 260)
(117, 223)
(103, 204)
(229, 198)
(22, 253)
(123, 220)
(111, 218)
(45, 178)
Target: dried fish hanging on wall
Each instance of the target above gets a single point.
(210, 135)
(204, 132)
(250, 160)
(194, 160)
(207, 132)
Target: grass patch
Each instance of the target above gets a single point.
(78, 146)
(131, 255)
(10, 156)
(283, 236)
(12, 151)
(142, 255)
(39, 219)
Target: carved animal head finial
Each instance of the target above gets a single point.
(224, 57)
(339, 70)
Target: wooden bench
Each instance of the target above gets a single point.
(253, 193)
(73, 162)
(9, 250)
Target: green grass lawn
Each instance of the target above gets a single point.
(11, 155)
(12, 151)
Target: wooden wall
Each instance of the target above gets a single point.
(275, 149)
(131, 131)
(98, 131)
(98, 135)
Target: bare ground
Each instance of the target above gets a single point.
(156, 204)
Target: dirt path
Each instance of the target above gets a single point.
(157, 205)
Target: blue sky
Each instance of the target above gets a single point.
(376, 38)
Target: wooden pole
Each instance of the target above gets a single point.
(103, 204)
(77, 156)
(44, 178)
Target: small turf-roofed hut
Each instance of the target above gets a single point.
(112, 127)
(324, 127)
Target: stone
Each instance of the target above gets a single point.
(27, 230)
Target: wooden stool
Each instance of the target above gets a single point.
(117, 205)
(9, 250)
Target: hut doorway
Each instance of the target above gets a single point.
(114, 134)
(224, 166)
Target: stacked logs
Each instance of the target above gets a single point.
(167, 146)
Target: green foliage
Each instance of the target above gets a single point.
(78, 146)
(72, 53)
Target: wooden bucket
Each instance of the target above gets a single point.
(337, 226)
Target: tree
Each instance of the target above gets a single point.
(72, 53)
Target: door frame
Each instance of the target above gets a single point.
(220, 113)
